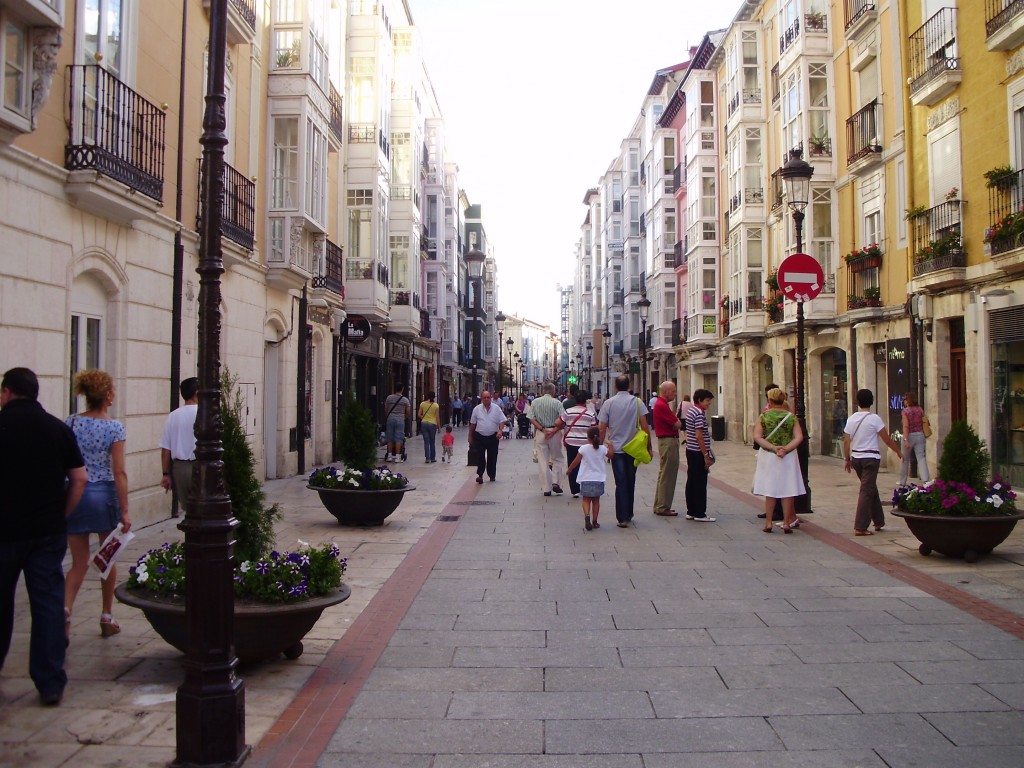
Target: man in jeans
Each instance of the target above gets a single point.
(38, 453)
(619, 419)
(396, 411)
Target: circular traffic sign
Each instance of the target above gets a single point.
(800, 277)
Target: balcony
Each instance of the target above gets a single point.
(934, 59)
(114, 135)
(362, 133)
(860, 16)
(789, 36)
(815, 21)
(405, 299)
(238, 214)
(241, 27)
(678, 331)
(1004, 24)
(336, 121)
(940, 260)
(862, 137)
(775, 85)
(1005, 233)
(328, 278)
(366, 269)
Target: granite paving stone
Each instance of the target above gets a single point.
(833, 758)
(451, 737)
(725, 734)
(549, 705)
(851, 731)
(941, 756)
(450, 679)
(979, 729)
(922, 698)
(713, 701)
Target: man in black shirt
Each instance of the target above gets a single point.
(42, 476)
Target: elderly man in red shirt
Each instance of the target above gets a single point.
(666, 429)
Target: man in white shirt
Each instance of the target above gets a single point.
(484, 426)
(178, 445)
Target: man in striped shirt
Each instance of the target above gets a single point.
(548, 417)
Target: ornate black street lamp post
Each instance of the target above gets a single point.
(644, 306)
(511, 375)
(499, 324)
(796, 174)
(607, 334)
(590, 373)
(475, 264)
(210, 704)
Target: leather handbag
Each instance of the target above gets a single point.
(926, 426)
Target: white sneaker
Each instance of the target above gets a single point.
(387, 457)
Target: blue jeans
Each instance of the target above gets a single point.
(624, 472)
(41, 562)
(429, 432)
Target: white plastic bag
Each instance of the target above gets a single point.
(109, 550)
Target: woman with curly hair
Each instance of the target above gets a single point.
(104, 503)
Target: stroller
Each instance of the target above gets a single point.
(525, 427)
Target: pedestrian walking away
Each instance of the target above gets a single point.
(699, 457)
(456, 411)
(549, 418)
(914, 440)
(778, 476)
(43, 475)
(178, 445)
(579, 419)
(429, 419)
(620, 418)
(862, 434)
(484, 425)
(666, 430)
(104, 503)
(396, 413)
(589, 465)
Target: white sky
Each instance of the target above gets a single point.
(537, 96)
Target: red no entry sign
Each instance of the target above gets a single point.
(800, 277)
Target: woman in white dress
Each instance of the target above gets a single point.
(778, 474)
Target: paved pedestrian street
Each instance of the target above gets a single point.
(487, 628)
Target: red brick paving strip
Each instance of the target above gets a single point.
(1008, 621)
(301, 734)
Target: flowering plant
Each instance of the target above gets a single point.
(1005, 228)
(948, 498)
(278, 577)
(773, 306)
(867, 252)
(953, 194)
(373, 479)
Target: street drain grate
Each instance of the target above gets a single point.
(449, 518)
(472, 503)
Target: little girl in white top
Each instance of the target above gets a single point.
(591, 476)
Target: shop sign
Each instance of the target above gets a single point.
(709, 324)
(399, 350)
(897, 365)
(356, 329)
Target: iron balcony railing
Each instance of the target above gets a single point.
(936, 238)
(366, 269)
(790, 36)
(337, 120)
(862, 133)
(816, 21)
(933, 49)
(405, 299)
(247, 10)
(999, 13)
(856, 9)
(1006, 212)
(330, 276)
(238, 214)
(114, 131)
(362, 133)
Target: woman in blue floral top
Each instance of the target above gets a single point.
(104, 503)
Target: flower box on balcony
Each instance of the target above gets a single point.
(868, 257)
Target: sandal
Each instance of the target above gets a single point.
(863, 533)
(108, 627)
(787, 529)
(767, 530)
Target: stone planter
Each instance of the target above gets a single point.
(357, 507)
(262, 630)
(966, 537)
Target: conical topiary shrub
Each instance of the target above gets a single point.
(254, 536)
(357, 436)
(965, 459)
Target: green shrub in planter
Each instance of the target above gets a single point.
(965, 459)
(357, 436)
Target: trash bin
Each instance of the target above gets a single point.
(717, 427)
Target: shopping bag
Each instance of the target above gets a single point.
(637, 448)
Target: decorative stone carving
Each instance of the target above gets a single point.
(45, 47)
(945, 111)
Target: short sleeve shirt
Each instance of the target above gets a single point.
(487, 421)
(95, 438)
(771, 419)
(863, 428)
(592, 468)
(579, 419)
(396, 406)
(664, 419)
(696, 419)
(620, 413)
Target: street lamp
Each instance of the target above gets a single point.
(796, 174)
(499, 324)
(211, 692)
(475, 264)
(515, 373)
(590, 373)
(509, 343)
(607, 334)
(644, 305)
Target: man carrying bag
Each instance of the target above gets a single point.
(620, 424)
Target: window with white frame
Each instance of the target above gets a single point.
(634, 166)
(634, 216)
(17, 66)
(792, 135)
(750, 77)
(318, 42)
(103, 24)
(820, 230)
(284, 172)
(753, 185)
(362, 101)
(755, 269)
(287, 34)
(399, 247)
(668, 162)
(86, 332)
(818, 107)
(316, 184)
(734, 166)
(707, 105)
(671, 235)
(873, 228)
(359, 203)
